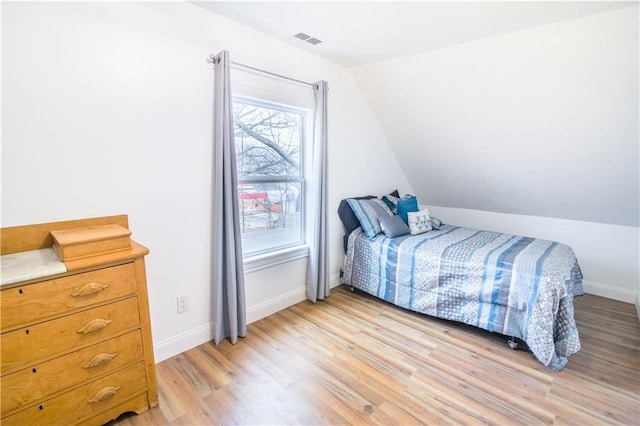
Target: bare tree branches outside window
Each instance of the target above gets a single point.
(269, 152)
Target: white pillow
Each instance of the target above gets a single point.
(419, 222)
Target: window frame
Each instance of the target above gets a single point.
(289, 251)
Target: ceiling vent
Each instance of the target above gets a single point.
(308, 38)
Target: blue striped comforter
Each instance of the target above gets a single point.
(509, 284)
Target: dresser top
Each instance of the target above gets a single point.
(29, 265)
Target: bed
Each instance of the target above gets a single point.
(517, 286)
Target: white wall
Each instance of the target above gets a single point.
(107, 109)
(542, 121)
(533, 132)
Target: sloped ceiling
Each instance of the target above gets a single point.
(515, 107)
(542, 122)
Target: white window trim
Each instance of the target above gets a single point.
(275, 257)
(283, 254)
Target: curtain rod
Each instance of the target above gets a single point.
(214, 60)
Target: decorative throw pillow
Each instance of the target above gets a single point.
(406, 204)
(436, 223)
(419, 222)
(369, 213)
(394, 226)
(392, 202)
(395, 193)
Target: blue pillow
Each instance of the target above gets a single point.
(369, 213)
(406, 205)
(349, 219)
(391, 202)
(393, 226)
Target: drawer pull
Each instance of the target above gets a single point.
(99, 359)
(104, 394)
(94, 325)
(90, 288)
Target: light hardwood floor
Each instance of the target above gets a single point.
(353, 359)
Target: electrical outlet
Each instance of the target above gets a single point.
(183, 304)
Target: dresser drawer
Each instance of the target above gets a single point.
(44, 340)
(33, 302)
(38, 382)
(137, 404)
(83, 402)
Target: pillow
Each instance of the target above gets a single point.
(409, 203)
(419, 222)
(436, 223)
(393, 226)
(348, 218)
(392, 202)
(369, 213)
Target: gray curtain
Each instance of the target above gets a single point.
(318, 285)
(229, 307)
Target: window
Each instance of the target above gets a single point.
(270, 141)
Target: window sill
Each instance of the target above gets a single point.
(267, 260)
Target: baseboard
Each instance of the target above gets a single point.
(199, 335)
(264, 309)
(183, 342)
(638, 305)
(610, 292)
(279, 303)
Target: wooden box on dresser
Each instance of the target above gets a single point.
(76, 344)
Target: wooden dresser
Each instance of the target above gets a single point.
(76, 345)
